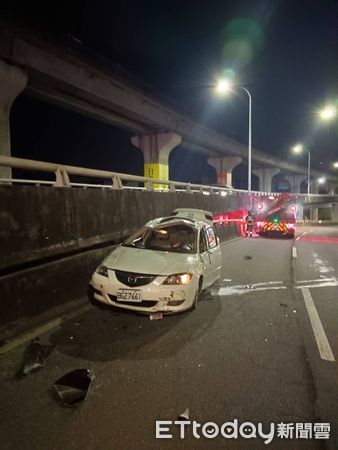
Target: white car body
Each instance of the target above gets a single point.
(192, 213)
(117, 280)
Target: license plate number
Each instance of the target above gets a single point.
(129, 295)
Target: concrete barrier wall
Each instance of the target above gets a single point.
(43, 222)
(62, 225)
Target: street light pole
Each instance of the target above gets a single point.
(224, 86)
(249, 138)
(308, 172)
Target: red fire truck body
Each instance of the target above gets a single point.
(279, 218)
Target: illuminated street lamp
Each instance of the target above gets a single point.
(321, 180)
(328, 113)
(225, 86)
(335, 165)
(298, 148)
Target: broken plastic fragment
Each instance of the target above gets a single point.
(156, 316)
(73, 387)
(35, 357)
(184, 415)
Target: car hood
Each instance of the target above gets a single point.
(149, 261)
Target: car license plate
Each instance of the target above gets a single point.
(129, 295)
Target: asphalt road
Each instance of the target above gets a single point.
(261, 347)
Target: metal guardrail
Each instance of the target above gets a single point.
(63, 172)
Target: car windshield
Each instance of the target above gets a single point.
(178, 238)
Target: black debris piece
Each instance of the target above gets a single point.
(35, 357)
(73, 387)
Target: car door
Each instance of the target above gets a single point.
(214, 251)
(205, 258)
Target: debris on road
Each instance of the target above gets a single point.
(35, 357)
(248, 257)
(184, 415)
(266, 340)
(294, 311)
(283, 304)
(73, 387)
(156, 316)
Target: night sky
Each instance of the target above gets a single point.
(284, 52)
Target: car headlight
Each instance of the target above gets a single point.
(178, 278)
(102, 270)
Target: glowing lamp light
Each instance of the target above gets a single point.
(260, 206)
(335, 165)
(321, 180)
(298, 148)
(329, 112)
(224, 86)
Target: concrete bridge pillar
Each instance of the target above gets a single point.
(265, 176)
(314, 187)
(295, 182)
(12, 82)
(156, 149)
(332, 186)
(314, 213)
(299, 211)
(334, 213)
(224, 167)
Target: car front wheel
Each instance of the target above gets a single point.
(198, 291)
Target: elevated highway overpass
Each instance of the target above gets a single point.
(65, 76)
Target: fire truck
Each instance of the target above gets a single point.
(278, 217)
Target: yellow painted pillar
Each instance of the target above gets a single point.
(156, 149)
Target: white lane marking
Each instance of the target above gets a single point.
(301, 234)
(317, 327)
(294, 252)
(245, 288)
(240, 289)
(321, 265)
(319, 285)
(318, 279)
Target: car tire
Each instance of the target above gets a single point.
(198, 291)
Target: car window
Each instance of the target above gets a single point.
(177, 238)
(211, 237)
(138, 239)
(203, 242)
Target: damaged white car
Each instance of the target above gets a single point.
(163, 267)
